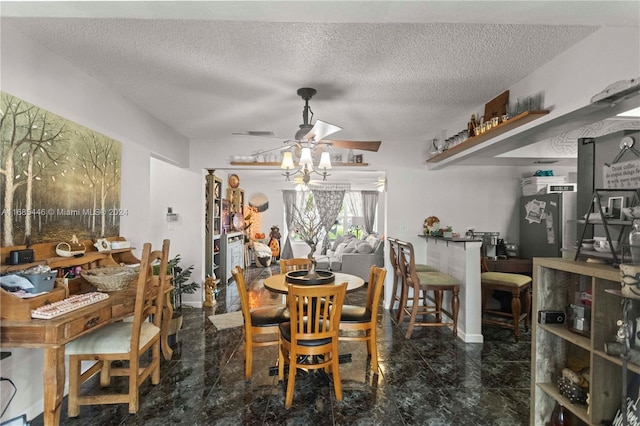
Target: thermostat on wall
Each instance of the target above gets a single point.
(561, 187)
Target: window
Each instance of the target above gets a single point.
(350, 219)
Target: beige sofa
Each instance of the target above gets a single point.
(354, 256)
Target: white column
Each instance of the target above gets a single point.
(460, 258)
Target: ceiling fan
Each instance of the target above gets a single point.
(313, 135)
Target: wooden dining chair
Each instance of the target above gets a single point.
(295, 264)
(363, 319)
(310, 340)
(258, 321)
(123, 341)
(422, 283)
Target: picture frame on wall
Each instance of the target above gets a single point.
(614, 207)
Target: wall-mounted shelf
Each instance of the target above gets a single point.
(277, 164)
(501, 128)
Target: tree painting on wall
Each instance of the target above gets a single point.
(57, 178)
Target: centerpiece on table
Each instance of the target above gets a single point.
(308, 226)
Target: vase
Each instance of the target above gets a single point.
(560, 416)
(312, 260)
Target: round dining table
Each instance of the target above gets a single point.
(277, 283)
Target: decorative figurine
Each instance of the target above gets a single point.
(274, 242)
(209, 292)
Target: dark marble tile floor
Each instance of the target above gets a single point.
(430, 379)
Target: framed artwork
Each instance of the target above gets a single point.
(357, 158)
(54, 189)
(615, 206)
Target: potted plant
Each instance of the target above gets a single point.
(181, 286)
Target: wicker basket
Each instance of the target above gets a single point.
(67, 250)
(110, 278)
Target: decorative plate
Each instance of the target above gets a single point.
(234, 181)
(237, 220)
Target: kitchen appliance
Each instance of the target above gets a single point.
(547, 224)
(490, 243)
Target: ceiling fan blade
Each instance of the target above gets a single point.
(361, 145)
(321, 130)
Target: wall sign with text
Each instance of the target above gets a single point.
(622, 175)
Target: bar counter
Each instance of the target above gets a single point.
(460, 258)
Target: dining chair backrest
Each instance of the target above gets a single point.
(312, 307)
(393, 256)
(374, 290)
(295, 264)
(238, 276)
(150, 290)
(407, 264)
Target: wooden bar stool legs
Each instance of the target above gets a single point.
(517, 285)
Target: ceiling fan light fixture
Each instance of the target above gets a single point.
(287, 161)
(305, 167)
(305, 157)
(325, 161)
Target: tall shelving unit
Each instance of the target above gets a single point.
(213, 224)
(236, 201)
(556, 282)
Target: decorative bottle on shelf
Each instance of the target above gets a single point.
(634, 241)
(560, 416)
(471, 126)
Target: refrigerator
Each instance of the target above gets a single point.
(547, 224)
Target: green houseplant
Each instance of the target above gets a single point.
(181, 284)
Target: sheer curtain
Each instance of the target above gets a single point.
(369, 206)
(289, 198)
(328, 201)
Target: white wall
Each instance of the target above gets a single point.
(180, 189)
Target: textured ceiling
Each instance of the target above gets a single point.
(389, 71)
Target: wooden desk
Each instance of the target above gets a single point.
(52, 335)
(277, 283)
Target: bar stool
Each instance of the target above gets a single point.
(398, 277)
(422, 283)
(516, 284)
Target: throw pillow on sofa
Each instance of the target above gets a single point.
(364, 247)
(339, 249)
(351, 246)
(373, 240)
